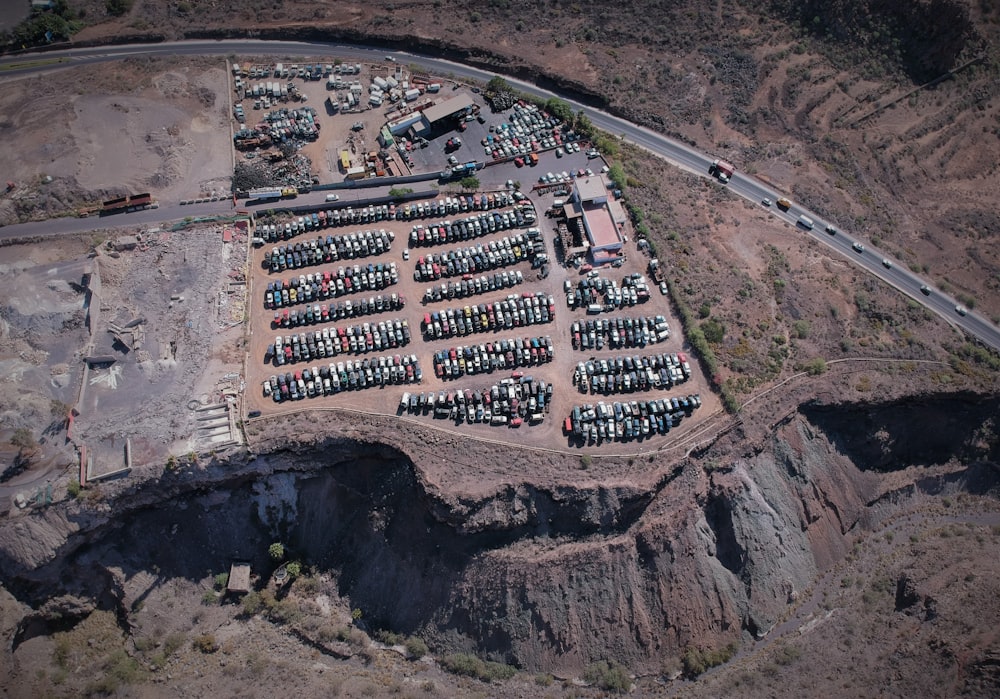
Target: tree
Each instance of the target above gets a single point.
(23, 438)
(583, 125)
(498, 84)
(276, 551)
(470, 183)
(294, 569)
(560, 109)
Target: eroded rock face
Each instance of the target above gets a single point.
(544, 577)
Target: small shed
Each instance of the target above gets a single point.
(239, 578)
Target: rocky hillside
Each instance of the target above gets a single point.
(713, 556)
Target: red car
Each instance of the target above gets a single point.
(519, 161)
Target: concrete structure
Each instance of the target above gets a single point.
(239, 578)
(602, 223)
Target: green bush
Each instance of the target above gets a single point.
(221, 581)
(470, 666)
(252, 603)
(205, 643)
(276, 551)
(74, 488)
(713, 330)
(696, 660)
(390, 638)
(609, 676)
(294, 569)
(117, 8)
(415, 647)
(815, 366)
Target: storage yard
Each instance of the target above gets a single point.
(404, 307)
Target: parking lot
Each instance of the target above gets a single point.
(424, 311)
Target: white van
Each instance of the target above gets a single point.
(332, 197)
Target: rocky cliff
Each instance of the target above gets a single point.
(544, 577)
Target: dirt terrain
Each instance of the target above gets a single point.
(845, 519)
(128, 127)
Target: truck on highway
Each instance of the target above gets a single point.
(784, 204)
(722, 169)
(806, 222)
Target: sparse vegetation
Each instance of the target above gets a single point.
(205, 643)
(609, 676)
(415, 647)
(697, 660)
(471, 666)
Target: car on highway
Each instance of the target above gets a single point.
(887, 263)
(831, 230)
(961, 310)
(765, 201)
(925, 290)
(858, 247)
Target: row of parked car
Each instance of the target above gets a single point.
(514, 311)
(272, 232)
(307, 288)
(619, 332)
(491, 356)
(632, 373)
(323, 313)
(472, 227)
(330, 249)
(352, 375)
(506, 251)
(625, 421)
(470, 287)
(510, 402)
(606, 294)
(329, 342)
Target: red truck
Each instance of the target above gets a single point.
(723, 170)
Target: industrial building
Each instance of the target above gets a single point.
(603, 219)
(434, 117)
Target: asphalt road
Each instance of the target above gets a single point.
(672, 151)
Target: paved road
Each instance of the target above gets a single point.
(672, 151)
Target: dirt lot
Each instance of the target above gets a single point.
(141, 125)
(176, 299)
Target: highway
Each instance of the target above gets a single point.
(678, 154)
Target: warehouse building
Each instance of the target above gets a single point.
(437, 117)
